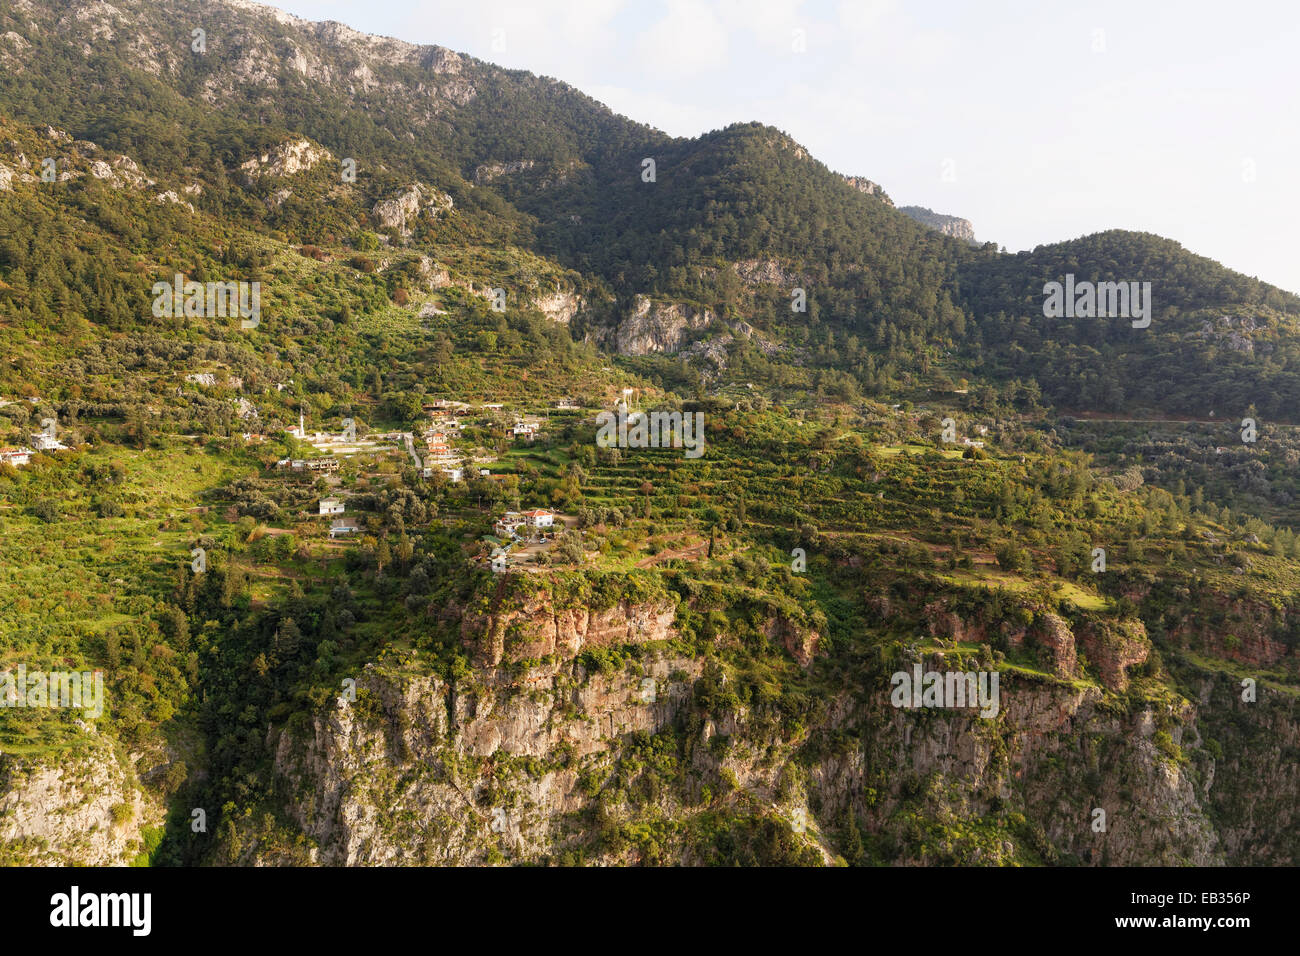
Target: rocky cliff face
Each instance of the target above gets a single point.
(864, 185)
(657, 326)
(536, 629)
(487, 172)
(502, 768)
(400, 211)
(80, 807)
(74, 159)
(1249, 774)
(1055, 754)
(948, 225)
(536, 756)
(1111, 647)
(767, 272)
(559, 307)
(421, 772)
(262, 45)
(287, 159)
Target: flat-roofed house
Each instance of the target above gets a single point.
(43, 442)
(509, 523)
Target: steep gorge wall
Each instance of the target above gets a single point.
(515, 764)
(77, 807)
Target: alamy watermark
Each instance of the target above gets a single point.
(53, 690)
(1098, 300)
(946, 689)
(213, 300)
(654, 430)
(132, 911)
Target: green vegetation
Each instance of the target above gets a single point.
(828, 537)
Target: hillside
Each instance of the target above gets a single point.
(443, 621)
(538, 164)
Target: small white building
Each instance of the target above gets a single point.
(508, 524)
(43, 442)
(454, 474)
(525, 430)
(331, 506)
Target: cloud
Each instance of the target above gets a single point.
(863, 15)
(689, 39)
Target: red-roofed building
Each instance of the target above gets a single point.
(10, 455)
(539, 518)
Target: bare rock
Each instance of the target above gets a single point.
(287, 159)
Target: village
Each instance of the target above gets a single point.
(42, 442)
(440, 448)
(456, 442)
(477, 446)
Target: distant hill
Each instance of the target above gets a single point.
(948, 225)
(740, 224)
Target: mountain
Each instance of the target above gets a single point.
(948, 225)
(409, 282)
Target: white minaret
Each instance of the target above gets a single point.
(302, 427)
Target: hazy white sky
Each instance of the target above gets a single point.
(1038, 120)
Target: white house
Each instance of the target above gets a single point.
(437, 446)
(43, 442)
(539, 518)
(9, 455)
(455, 474)
(525, 429)
(331, 506)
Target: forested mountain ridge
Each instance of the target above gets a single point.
(1217, 339)
(539, 164)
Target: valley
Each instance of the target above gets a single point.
(381, 566)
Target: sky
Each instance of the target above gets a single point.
(1038, 120)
